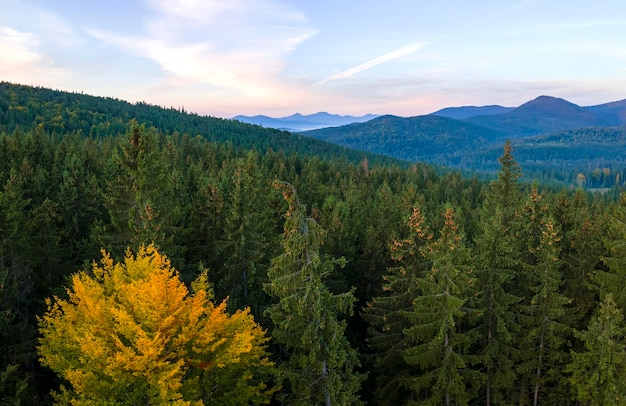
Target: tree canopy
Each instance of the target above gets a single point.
(131, 333)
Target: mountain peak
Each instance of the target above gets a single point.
(547, 102)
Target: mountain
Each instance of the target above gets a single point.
(613, 113)
(541, 115)
(427, 138)
(464, 112)
(298, 122)
(551, 136)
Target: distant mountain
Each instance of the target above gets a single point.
(549, 134)
(464, 112)
(541, 115)
(298, 122)
(613, 113)
(428, 138)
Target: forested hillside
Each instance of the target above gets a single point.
(153, 266)
(58, 112)
(556, 140)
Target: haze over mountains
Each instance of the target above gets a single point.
(298, 122)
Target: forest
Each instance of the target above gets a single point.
(148, 264)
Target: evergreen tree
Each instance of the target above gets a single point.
(141, 197)
(439, 316)
(246, 235)
(597, 371)
(387, 314)
(611, 278)
(496, 264)
(543, 309)
(318, 361)
(505, 192)
(495, 272)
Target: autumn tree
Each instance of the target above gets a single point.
(131, 333)
(319, 363)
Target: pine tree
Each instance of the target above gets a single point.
(439, 317)
(318, 361)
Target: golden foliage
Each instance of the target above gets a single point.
(131, 332)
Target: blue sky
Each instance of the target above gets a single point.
(403, 57)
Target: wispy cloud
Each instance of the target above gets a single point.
(398, 53)
(237, 46)
(21, 59)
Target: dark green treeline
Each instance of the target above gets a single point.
(447, 290)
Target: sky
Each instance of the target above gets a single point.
(405, 57)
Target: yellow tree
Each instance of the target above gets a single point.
(132, 333)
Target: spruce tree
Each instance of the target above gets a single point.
(246, 235)
(439, 317)
(542, 311)
(597, 370)
(387, 314)
(496, 263)
(317, 360)
(611, 278)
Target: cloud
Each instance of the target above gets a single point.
(20, 58)
(238, 47)
(398, 53)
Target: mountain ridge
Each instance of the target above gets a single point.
(299, 122)
(581, 137)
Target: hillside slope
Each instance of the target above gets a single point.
(429, 138)
(61, 112)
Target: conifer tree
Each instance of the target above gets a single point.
(440, 343)
(141, 195)
(612, 277)
(387, 314)
(506, 189)
(597, 371)
(496, 263)
(319, 364)
(543, 309)
(246, 234)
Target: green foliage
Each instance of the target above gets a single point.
(320, 365)
(440, 344)
(596, 371)
(387, 314)
(76, 173)
(544, 306)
